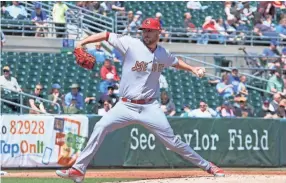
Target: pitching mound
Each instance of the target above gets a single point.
(227, 179)
(243, 175)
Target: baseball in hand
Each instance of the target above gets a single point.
(201, 72)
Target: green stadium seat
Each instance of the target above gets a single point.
(48, 68)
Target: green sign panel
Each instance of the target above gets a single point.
(226, 142)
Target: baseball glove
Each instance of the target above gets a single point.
(84, 59)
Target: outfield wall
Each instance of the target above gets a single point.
(56, 141)
(226, 142)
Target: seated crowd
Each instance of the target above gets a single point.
(40, 18)
(231, 88)
(240, 19)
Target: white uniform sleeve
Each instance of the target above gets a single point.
(120, 42)
(170, 59)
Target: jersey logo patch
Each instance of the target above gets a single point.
(142, 66)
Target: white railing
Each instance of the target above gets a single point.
(21, 105)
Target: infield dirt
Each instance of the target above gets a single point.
(171, 175)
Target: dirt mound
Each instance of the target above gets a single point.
(226, 179)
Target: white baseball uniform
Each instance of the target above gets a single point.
(140, 81)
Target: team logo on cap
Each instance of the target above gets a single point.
(147, 22)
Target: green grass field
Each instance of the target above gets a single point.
(58, 180)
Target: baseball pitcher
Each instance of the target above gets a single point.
(143, 63)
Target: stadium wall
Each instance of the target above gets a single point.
(227, 142)
(55, 141)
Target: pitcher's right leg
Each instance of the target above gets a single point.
(118, 117)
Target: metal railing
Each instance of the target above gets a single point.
(180, 34)
(25, 27)
(73, 23)
(120, 21)
(21, 105)
(93, 21)
(89, 21)
(189, 59)
(253, 63)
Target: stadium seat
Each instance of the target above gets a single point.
(48, 68)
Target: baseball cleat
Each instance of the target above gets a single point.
(72, 174)
(216, 171)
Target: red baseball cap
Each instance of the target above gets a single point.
(151, 23)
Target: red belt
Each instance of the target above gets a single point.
(142, 101)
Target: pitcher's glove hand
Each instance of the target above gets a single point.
(84, 59)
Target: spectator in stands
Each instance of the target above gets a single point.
(226, 110)
(213, 80)
(266, 8)
(106, 107)
(229, 13)
(89, 99)
(281, 28)
(271, 54)
(108, 71)
(59, 16)
(234, 80)
(241, 109)
(39, 17)
(283, 59)
(16, 11)
(117, 55)
(265, 31)
(107, 7)
(187, 110)
(274, 104)
(37, 104)
(167, 105)
(56, 97)
(224, 88)
(7, 81)
(241, 89)
(110, 96)
(82, 4)
(164, 33)
(281, 111)
(93, 103)
(268, 21)
(203, 111)
(221, 27)
(210, 27)
(188, 24)
(130, 16)
(92, 6)
(275, 84)
(196, 5)
(241, 19)
(140, 19)
(133, 26)
(3, 39)
(109, 75)
(73, 100)
(247, 12)
(163, 82)
(265, 112)
(98, 53)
